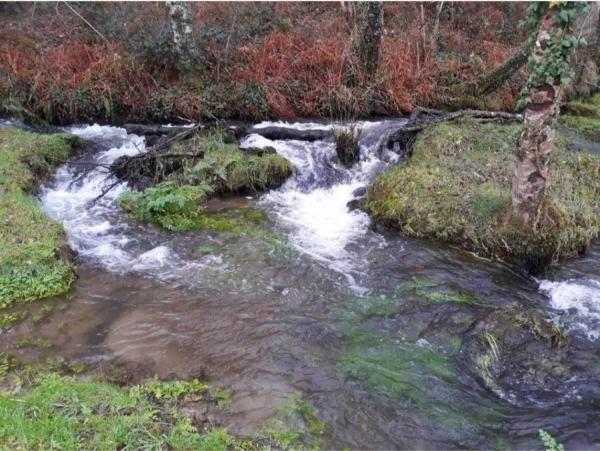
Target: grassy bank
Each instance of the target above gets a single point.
(457, 188)
(176, 204)
(49, 410)
(33, 254)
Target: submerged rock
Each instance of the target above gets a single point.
(519, 354)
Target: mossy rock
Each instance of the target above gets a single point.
(177, 204)
(518, 354)
(457, 188)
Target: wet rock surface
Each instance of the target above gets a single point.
(520, 354)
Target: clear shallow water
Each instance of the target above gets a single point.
(316, 306)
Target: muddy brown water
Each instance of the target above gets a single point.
(384, 368)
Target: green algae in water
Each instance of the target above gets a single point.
(294, 425)
(416, 375)
(422, 288)
(393, 367)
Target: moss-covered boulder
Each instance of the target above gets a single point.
(457, 188)
(177, 203)
(34, 257)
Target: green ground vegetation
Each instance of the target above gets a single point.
(457, 188)
(176, 204)
(62, 412)
(31, 265)
(583, 117)
(56, 405)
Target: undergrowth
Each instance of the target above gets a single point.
(583, 117)
(456, 188)
(31, 244)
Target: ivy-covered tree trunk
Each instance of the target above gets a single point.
(369, 31)
(549, 71)
(181, 28)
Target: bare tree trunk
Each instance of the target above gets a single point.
(531, 174)
(181, 27)
(435, 32)
(369, 24)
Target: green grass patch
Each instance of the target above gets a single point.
(176, 204)
(60, 412)
(587, 126)
(30, 242)
(457, 185)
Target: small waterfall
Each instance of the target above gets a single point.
(313, 204)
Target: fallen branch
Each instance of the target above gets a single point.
(153, 166)
(422, 118)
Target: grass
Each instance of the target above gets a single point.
(177, 203)
(583, 117)
(456, 188)
(30, 243)
(61, 412)
(49, 407)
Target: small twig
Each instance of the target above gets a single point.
(87, 23)
(104, 193)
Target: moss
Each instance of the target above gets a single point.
(456, 188)
(31, 342)
(295, 424)
(583, 117)
(31, 266)
(227, 169)
(394, 368)
(8, 320)
(177, 203)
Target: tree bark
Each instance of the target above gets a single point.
(181, 27)
(531, 173)
(502, 73)
(369, 31)
(435, 32)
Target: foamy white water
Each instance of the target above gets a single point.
(580, 300)
(96, 229)
(313, 203)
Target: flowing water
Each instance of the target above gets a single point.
(320, 305)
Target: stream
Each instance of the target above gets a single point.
(321, 305)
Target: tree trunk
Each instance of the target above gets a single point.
(435, 32)
(531, 174)
(181, 27)
(502, 73)
(369, 31)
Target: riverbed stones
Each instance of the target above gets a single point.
(518, 354)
